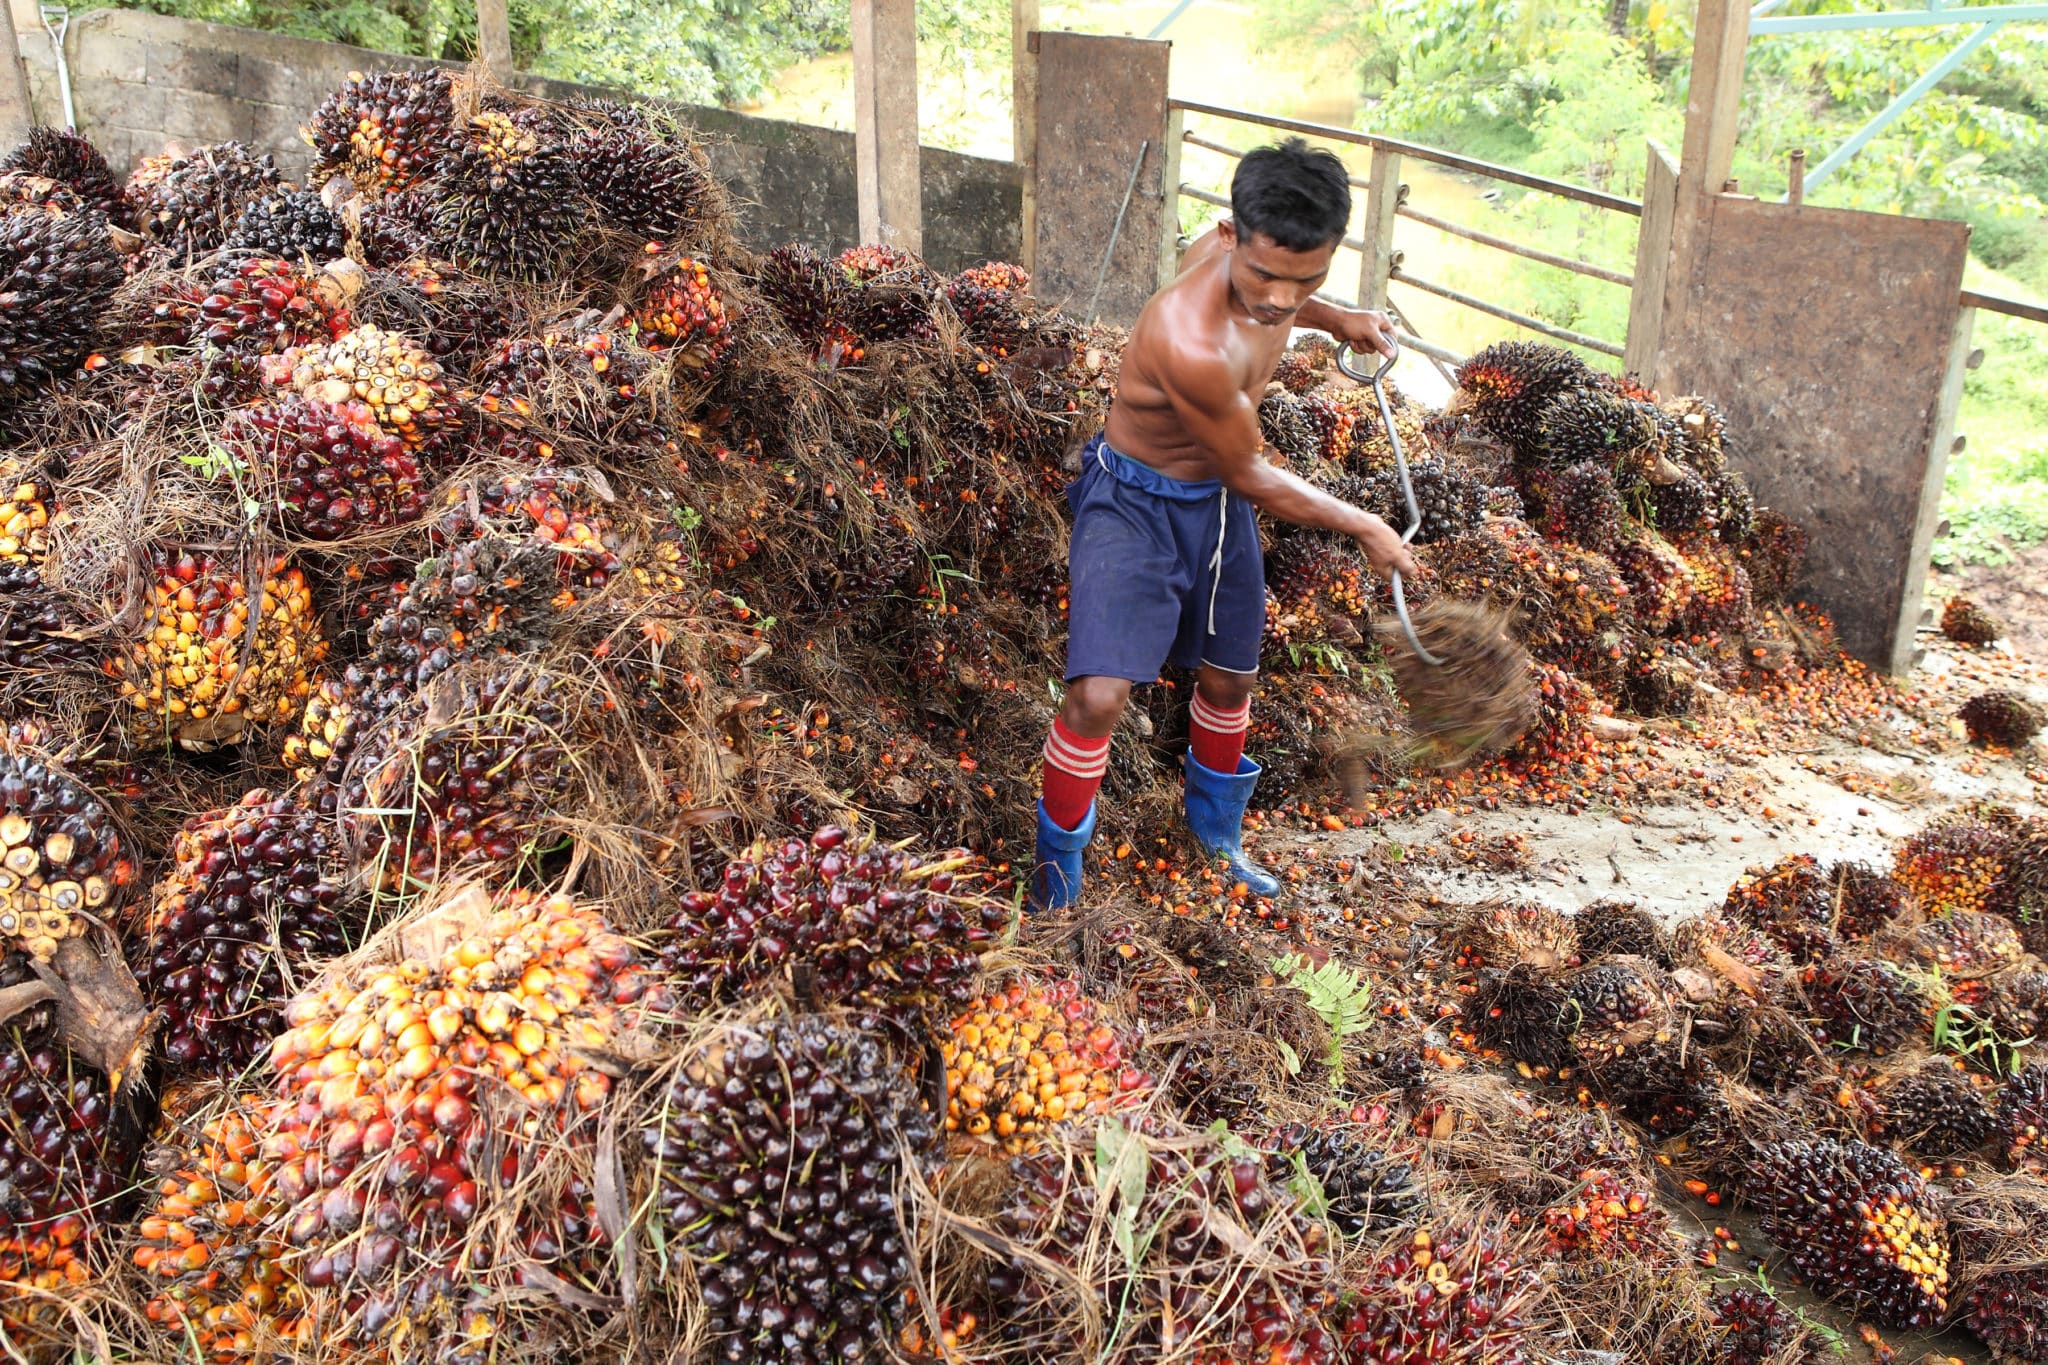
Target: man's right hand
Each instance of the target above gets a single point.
(1382, 547)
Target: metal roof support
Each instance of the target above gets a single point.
(1905, 100)
(1904, 18)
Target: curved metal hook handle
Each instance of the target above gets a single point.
(1379, 393)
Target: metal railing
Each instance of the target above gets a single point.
(1386, 200)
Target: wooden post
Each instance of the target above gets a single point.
(1169, 190)
(17, 115)
(1024, 115)
(1382, 197)
(885, 122)
(1653, 259)
(1941, 441)
(1719, 46)
(1795, 179)
(494, 38)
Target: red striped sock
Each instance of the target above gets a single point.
(1074, 765)
(1217, 736)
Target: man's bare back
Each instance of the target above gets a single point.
(1192, 314)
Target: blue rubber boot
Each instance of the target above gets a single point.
(1216, 806)
(1056, 870)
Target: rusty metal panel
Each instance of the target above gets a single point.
(1101, 115)
(1823, 334)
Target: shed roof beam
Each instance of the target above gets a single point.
(1905, 18)
(1905, 100)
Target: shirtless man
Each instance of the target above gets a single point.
(1165, 558)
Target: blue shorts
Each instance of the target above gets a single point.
(1163, 571)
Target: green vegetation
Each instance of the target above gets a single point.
(699, 51)
(1572, 91)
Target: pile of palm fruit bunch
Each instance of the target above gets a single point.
(1847, 1051)
(521, 721)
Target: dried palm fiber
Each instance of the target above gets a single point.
(1479, 700)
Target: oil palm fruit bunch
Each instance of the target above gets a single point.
(640, 172)
(402, 385)
(1733, 509)
(1660, 583)
(1963, 621)
(1861, 1004)
(1456, 1292)
(491, 597)
(41, 632)
(394, 229)
(1202, 1197)
(2020, 1123)
(1955, 864)
(1452, 502)
(813, 299)
(1865, 900)
(58, 274)
(266, 306)
(1963, 945)
(1718, 596)
(1606, 1218)
(436, 1085)
(851, 921)
(1030, 1055)
(587, 384)
(1859, 1225)
(457, 317)
(1774, 555)
(73, 162)
(211, 1252)
(386, 131)
(551, 504)
(467, 775)
(1523, 1012)
(1616, 1001)
(684, 317)
(1503, 390)
(1576, 424)
(1364, 1189)
(890, 293)
(251, 897)
(1304, 365)
(63, 1157)
(986, 298)
(1334, 424)
(2004, 718)
(1935, 1112)
(190, 205)
(1582, 506)
(2007, 1310)
(1790, 902)
(1505, 933)
(335, 472)
(507, 201)
(1621, 929)
(291, 224)
(1682, 507)
(62, 863)
(777, 1155)
(1285, 422)
(28, 504)
(1758, 1330)
(201, 675)
(1704, 429)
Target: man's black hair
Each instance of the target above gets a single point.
(1298, 195)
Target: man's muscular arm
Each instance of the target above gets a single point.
(1226, 425)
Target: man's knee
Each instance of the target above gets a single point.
(1093, 705)
(1225, 691)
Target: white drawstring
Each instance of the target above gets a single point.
(1216, 560)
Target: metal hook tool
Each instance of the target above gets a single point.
(1379, 392)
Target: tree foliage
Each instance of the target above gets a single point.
(701, 51)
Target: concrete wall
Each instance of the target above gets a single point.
(139, 80)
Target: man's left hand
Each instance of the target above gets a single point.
(1365, 329)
